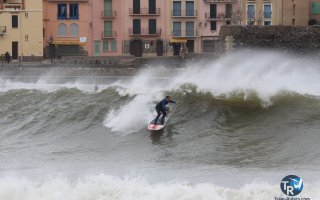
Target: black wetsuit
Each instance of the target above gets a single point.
(161, 107)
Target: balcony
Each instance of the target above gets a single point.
(220, 1)
(144, 12)
(184, 33)
(67, 17)
(144, 32)
(108, 14)
(219, 17)
(184, 13)
(3, 30)
(108, 34)
(13, 5)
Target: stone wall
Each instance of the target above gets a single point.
(290, 38)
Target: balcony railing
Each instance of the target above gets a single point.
(144, 11)
(220, 1)
(67, 17)
(13, 5)
(109, 34)
(3, 30)
(267, 14)
(184, 33)
(144, 32)
(219, 17)
(107, 14)
(184, 13)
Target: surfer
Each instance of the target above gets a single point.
(161, 107)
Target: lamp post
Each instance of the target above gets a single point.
(51, 48)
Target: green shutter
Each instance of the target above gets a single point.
(107, 29)
(113, 45)
(105, 45)
(107, 7)
(315, 8)
(97, 48)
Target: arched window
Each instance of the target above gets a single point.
(62, 30)
(74, 31)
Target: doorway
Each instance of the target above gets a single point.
(159, 47)
(15, 52)
(136, 48)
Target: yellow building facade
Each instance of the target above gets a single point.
(275, 12)
(21, 29)
(183, 26)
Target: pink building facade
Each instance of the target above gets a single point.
(67, 27)
(144, 27)
(107, 27)
(134, 27)
(214, 14)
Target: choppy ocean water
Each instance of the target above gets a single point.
(239, 127)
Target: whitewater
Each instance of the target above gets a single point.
(241, 124)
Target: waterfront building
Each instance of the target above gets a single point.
(144, 27)
(67, 27)
(107, 23)
(182, 17)
(213, 15)
(275, 12)
(21, 29)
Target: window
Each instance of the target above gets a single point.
(190, 29)
(113, 45)
(315, 8)
(189, 8)
(176, 29)
(74, 31)
(14, 21)
(213, 26)
(251, 12)
(228, 10)
(62, 11)
(107, 29)
(267, 11)
(108, 8)
(62, 30)
(213, 11)
(136, 6)
(176, 8)
(267, 23)
(74, 11)
(105, 45)
(152, 6)
(152, 26)
(136, 26)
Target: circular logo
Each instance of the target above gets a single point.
(291, 185)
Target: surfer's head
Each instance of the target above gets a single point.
(168, 98)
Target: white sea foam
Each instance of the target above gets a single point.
(264, 73)
(103, 187)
